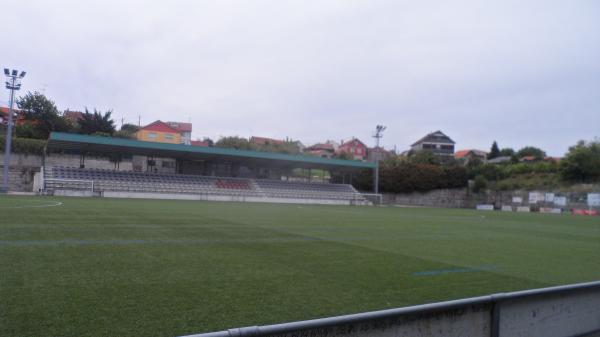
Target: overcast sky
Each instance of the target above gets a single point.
(519, 72)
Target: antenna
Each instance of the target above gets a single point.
(378, 134)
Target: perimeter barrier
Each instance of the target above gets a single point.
(570, 310)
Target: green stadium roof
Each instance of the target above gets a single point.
(98, 144)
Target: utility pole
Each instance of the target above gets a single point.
(13, 84)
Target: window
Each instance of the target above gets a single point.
(152, 135)
(169, 136)
(448, 147)
(429, 146)
(168, 164)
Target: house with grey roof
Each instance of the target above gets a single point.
(436, 142)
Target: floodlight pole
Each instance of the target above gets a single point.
(377, 135)
(13, 85)
(376, 178)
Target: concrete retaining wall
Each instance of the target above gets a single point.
(449, 198)
(208, 197)
(463, 198)
(564, 311)
(24, 167)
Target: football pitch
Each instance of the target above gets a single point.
(117, 267)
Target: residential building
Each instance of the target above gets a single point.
(18, 118)
(323, 150)
(301, 147)
(264, 140)
(200, 143)
(73, 116)
(470, 154)
(436, 142)
(184, 129)
(159, 132)
(498, 160)
(355, 148)
(378, 154)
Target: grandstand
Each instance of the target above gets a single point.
(82, 181)
(99, 181)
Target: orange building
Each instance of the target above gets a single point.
(159, 132)
(18, 117)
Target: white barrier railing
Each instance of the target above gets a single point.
(572, 310)
(69, 183)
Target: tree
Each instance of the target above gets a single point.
(538, 153)
(479, 184)
(285, 147)
(507, 152)
(97, 123)
(455, 177)
(208, 141)
(122, 134)
(127, 131)
(423, 157)
(235, 142)
(41, 115)
(582, 163)
(494, 151)
(132, 128)
(344, 155)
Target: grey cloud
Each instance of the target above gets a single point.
(519, 73)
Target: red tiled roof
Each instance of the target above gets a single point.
(461, 153)
(321, 146)
(199, 143)
(378, 149)
(73, 115)
(4, 110)
(528, 158)
(264, 140)
(181, 127)
(464, 153)
(159, 126)
(351, 143)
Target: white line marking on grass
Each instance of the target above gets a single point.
(58, 203)
(455, 270)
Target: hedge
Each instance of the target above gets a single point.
(25, 145)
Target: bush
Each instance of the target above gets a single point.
(582, 163)
(538, 153)
(488, 171)
(455, 177)
(480, 184)
(402, 177)
(124, 134)
(25, 146)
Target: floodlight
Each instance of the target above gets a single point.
(13, 84)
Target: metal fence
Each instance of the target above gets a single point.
(571, 310)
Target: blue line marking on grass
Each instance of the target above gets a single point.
(454, 270)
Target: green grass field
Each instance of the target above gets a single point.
(108, 267)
